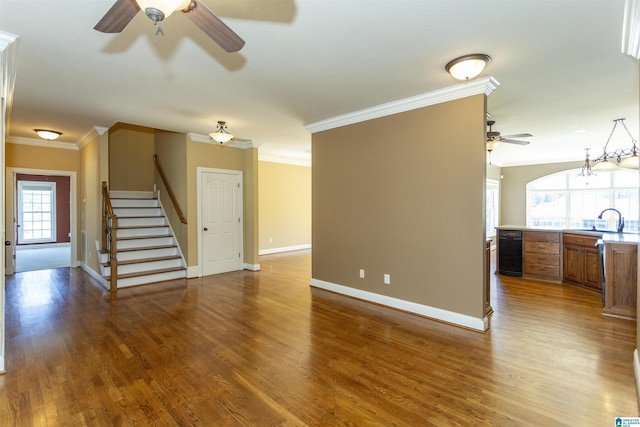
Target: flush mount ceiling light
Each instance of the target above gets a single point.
(47, 134)
(221, 135)
(621, 157)
(468, 66)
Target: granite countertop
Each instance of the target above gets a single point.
(605, 236)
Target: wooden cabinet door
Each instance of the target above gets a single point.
(592, 270)
(573, 264)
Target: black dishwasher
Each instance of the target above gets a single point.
(510, 252)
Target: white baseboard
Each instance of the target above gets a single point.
(193, 271)
(284, 249)
(463, 320)
(252, 267)
(103, 282)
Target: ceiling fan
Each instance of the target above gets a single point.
(123, 11)
(494, 138)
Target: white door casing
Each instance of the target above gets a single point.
(219, 221)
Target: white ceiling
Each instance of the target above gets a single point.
(562, 75)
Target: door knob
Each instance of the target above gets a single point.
(206, 229)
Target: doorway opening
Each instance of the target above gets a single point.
(41, 219)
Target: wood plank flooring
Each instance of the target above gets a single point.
(265, 349)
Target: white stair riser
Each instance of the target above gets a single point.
(147, 253)
(141, 222)
(134, 203)
(144, 243)
(125, 212)
(115, 194)
(144, 266)
(141, 280)
(139, 232)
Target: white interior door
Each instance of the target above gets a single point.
(221, 222)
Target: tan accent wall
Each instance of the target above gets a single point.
(211, 156)
(285, 205)
(513, 188)
(36, 157)
(404, 195)
(171, 149)
(90, 197)
(131, 150)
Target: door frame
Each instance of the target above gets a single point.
(200, 171)
(11, 200)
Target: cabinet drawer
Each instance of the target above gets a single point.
(542, 236)
(541, 248)
(542, 270)
(551, 260)
(580, 240)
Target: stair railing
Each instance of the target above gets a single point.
(181, 216)
(109, 227)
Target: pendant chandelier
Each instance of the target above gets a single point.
(621, 157)
(586, 168)
(221, 136)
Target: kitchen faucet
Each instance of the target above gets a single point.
(620, 218)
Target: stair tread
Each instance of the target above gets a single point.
(133, 227)
(148, 273)
(143, 260)
(151, 236)
(144, 248)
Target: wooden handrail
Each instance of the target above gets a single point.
(166, 185)
(109, 227)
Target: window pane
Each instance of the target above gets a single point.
(579, 205)
(557, 181)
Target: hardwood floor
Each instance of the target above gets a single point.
(263, 348)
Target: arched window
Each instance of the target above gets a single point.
(567, 200)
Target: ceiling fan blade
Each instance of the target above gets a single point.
(518, 135)
(120, 14)
(514, 141)
(212, 26)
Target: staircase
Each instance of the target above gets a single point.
(147, 251)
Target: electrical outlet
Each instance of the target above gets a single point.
(362, 273)
(387, 279)
(270, 239)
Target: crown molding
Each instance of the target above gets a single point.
(284, 160)
(94, 132)
(631, 28)
(40, 143)
(485, 85)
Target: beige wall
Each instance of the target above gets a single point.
(131, 150)
(171, 149)
(285, 205)
(90, 198)
(212, 156)
(404, 195)
(513, 200)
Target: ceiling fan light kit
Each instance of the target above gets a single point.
(622, 157)
(123, 11)
(49, 135)
(467, 67)
(158, 10)
(221, 136)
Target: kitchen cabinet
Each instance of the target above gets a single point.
(621, 266)
(581, 261)
(541, 255)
